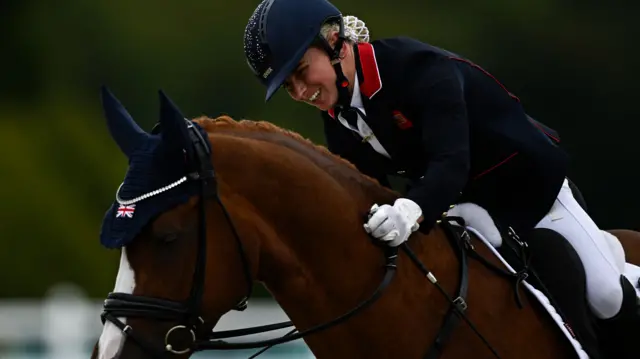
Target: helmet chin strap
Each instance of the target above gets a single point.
(342, 83)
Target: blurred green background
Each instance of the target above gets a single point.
(572, 63)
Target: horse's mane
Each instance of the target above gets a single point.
(212, 125)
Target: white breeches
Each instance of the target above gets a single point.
(601, 258)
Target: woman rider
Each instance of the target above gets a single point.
(401, 106)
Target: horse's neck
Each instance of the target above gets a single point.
(315, 257)
(308, 202)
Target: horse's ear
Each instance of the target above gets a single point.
(173, 125)
(124, 130)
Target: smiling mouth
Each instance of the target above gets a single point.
(314, 96)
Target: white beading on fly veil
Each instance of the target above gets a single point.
(355, 29)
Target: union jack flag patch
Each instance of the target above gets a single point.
(126, 211)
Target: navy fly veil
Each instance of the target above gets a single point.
(159, 166)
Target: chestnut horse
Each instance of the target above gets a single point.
(276, 209)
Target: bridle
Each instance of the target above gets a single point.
(200, 335)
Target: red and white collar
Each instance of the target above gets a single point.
(372, 83)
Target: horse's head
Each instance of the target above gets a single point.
(159, 222)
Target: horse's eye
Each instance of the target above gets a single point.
(169, 238)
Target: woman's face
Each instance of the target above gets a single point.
(314, 80)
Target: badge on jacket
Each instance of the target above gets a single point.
(401, 121)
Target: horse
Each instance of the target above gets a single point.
(630, 241)
(271, 207)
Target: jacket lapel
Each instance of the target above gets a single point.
(377, 107)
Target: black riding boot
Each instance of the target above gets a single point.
(620, 335)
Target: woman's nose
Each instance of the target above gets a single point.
(299, 90)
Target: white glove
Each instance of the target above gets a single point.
(394, 224)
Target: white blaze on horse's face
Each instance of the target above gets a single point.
(111, 339)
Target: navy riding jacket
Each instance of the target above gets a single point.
(453, 129)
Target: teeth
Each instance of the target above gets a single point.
(314, 96)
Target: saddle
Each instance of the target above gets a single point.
(545, 260)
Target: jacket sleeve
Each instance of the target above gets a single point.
(344, 144)
(437, 94)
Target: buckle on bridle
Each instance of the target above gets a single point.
(170, 347)
(460, 303)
